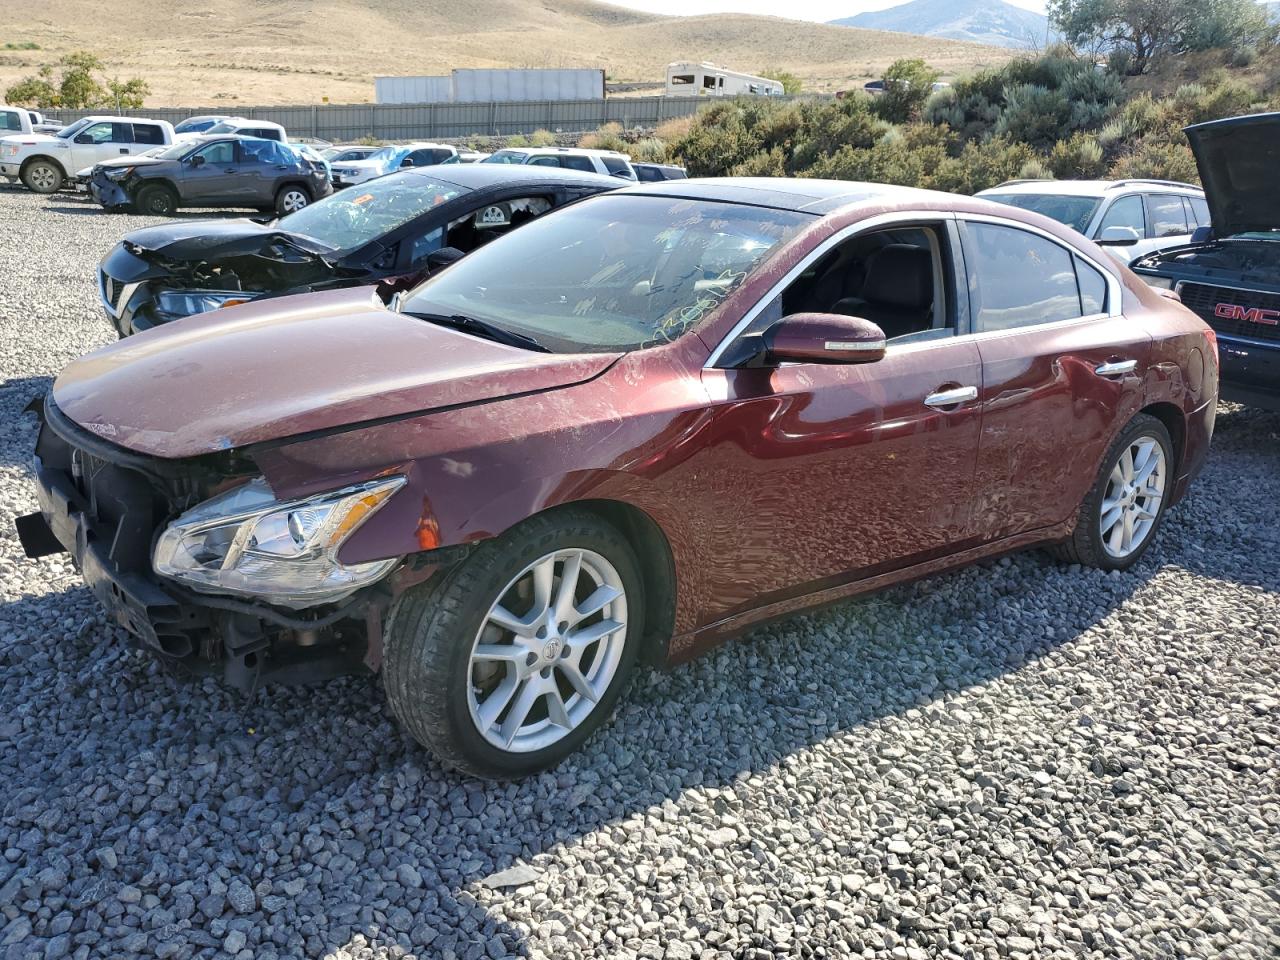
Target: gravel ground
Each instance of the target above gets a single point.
(1018, 760)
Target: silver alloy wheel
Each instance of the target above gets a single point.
(535, 676)
(43, 177)
(293, 200)
(1131, 503)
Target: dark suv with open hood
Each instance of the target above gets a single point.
(394, 229)
(1230, 273)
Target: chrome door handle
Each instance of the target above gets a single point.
(949, 398)
(1115, 368)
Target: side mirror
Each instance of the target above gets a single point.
(439, 259)
(406, 162)
(1202, 234)
(83, 138)
(1118, 237)
(824, 338)
(197, 161)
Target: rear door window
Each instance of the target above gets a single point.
(1018, 278)
(1168, 218)
(582, 164)
(148, 133)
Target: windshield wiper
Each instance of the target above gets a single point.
(481, 328)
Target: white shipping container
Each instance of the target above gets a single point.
(483, 86)
(412, 89)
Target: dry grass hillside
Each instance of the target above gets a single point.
(209, 52)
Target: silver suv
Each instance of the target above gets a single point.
(1132, 218)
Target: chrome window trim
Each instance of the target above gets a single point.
(870, 223)
(1114, 286)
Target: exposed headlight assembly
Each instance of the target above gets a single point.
(246, 543)
(184, 303)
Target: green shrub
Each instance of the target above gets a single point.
(980, 166)
(1080, 158)
(648, 150)
(1160, 161)
(542, 138)
(608, 137)
(519, 140)
(908, 83)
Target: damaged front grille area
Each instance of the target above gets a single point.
(106, 505)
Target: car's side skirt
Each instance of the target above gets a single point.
(686, 646)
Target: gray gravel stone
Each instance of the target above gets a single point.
(1016, 760)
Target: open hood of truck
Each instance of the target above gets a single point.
(1236, 159)
(267, 371)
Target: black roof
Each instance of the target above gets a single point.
(478, 176)
(788, 193)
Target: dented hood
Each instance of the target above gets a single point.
(1236, 158)
(276, 369)
(211, 239)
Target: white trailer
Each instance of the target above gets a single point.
(688, 79)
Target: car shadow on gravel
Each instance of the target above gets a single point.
(18, 441)
(307, 818)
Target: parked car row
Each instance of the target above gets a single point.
(227, 161)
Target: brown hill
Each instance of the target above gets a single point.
(209, 52)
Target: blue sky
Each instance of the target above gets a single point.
(798, 9)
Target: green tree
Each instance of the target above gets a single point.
(907, 85)
(791, 84)
(1139, 31)
(77, 86)
(127, 94)
(37, 91)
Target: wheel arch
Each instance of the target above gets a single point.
(1175, 421)
(300, 184)
(657, 567)
(43, 156)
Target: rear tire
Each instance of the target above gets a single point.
(156, 200)
(1123, 511)
(290, 199)
(495, 669)
(43, 176)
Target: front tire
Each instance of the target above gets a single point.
(1124, 509)
(156, 200)
(291, 199)
(42, 176)
(505, 664)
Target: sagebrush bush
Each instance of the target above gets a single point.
(542, 138)
(608, 137)
(1052, 116)
(649, 150)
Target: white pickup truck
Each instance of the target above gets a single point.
(21, 120)
(44, 162)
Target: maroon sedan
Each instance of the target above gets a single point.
(629, 430)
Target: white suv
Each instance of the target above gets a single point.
(1132, 218)
(389, 160)
(45, 161)
(608, 162)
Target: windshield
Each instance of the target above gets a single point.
(506, 156)
(1074, 212)
(177, 151)
(611, 273)
(194, 126)
(71, 129)
(348, 220)
(385, 155)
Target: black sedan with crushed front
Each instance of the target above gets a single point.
(1230, 274)
(393, 230)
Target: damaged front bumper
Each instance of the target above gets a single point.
(105, 506)
(111, 194)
